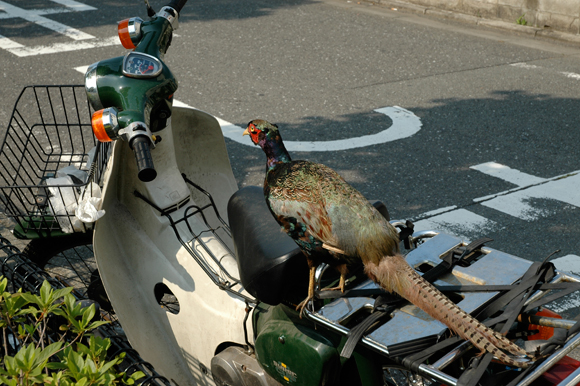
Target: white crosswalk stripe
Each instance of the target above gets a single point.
(80, 40)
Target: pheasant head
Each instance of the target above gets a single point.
(267, 136)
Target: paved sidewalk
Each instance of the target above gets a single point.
(403, 6)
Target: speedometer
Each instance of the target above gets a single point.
(140, 65)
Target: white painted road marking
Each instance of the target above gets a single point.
(507, 174)
(405, 124)
(81, 40)
(82, 69)
(459, 222)
(524, 65)
(568, 263)
(34, 17)
(21, 50)
(527, 66)
(74, 5)
(70, 6)
(521, 203)
(518, 202)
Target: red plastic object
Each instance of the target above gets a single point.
(558, 372)
(544, 333)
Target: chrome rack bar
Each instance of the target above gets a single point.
(572, 379)
(452, 355)
(432, 372)
(552, 360)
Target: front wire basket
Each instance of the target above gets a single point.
(49, 161)
(201, 245)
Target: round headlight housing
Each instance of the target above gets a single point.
(91, 86)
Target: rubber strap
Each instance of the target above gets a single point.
(357, 332)
(519, 294)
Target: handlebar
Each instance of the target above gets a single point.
(177, 4)
(141, 146)
(137, 88)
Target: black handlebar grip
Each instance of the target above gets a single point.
(141, 147)
(177, 4)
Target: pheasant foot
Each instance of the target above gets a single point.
(304, 303)
(340, 286)
(310, 296)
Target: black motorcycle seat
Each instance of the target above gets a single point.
(270, 263)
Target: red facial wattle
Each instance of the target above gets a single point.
(254, 133)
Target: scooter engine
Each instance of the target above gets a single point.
(235, 367)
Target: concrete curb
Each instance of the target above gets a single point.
(470, 19)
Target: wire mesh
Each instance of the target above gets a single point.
(49, 159)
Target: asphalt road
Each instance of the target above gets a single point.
(320, 69)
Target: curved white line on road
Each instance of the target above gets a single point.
(405, 124)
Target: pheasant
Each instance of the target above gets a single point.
(322, 213)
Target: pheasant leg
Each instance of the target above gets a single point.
(310, 296)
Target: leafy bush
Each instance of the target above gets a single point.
(50, 337)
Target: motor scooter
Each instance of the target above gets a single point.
(197, 271)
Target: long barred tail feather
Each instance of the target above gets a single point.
(395, 275)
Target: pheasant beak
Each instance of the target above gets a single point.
(246, 132)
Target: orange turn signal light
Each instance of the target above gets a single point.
(99, 127)
(105, 125)
(124, 35)
(129, 31)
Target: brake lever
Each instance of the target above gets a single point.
(150, 11)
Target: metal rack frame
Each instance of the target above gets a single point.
(435, 371)
(223, 279)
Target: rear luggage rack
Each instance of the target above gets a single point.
(416, 330)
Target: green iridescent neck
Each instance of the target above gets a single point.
(276, 152)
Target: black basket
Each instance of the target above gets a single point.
(50, 129)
